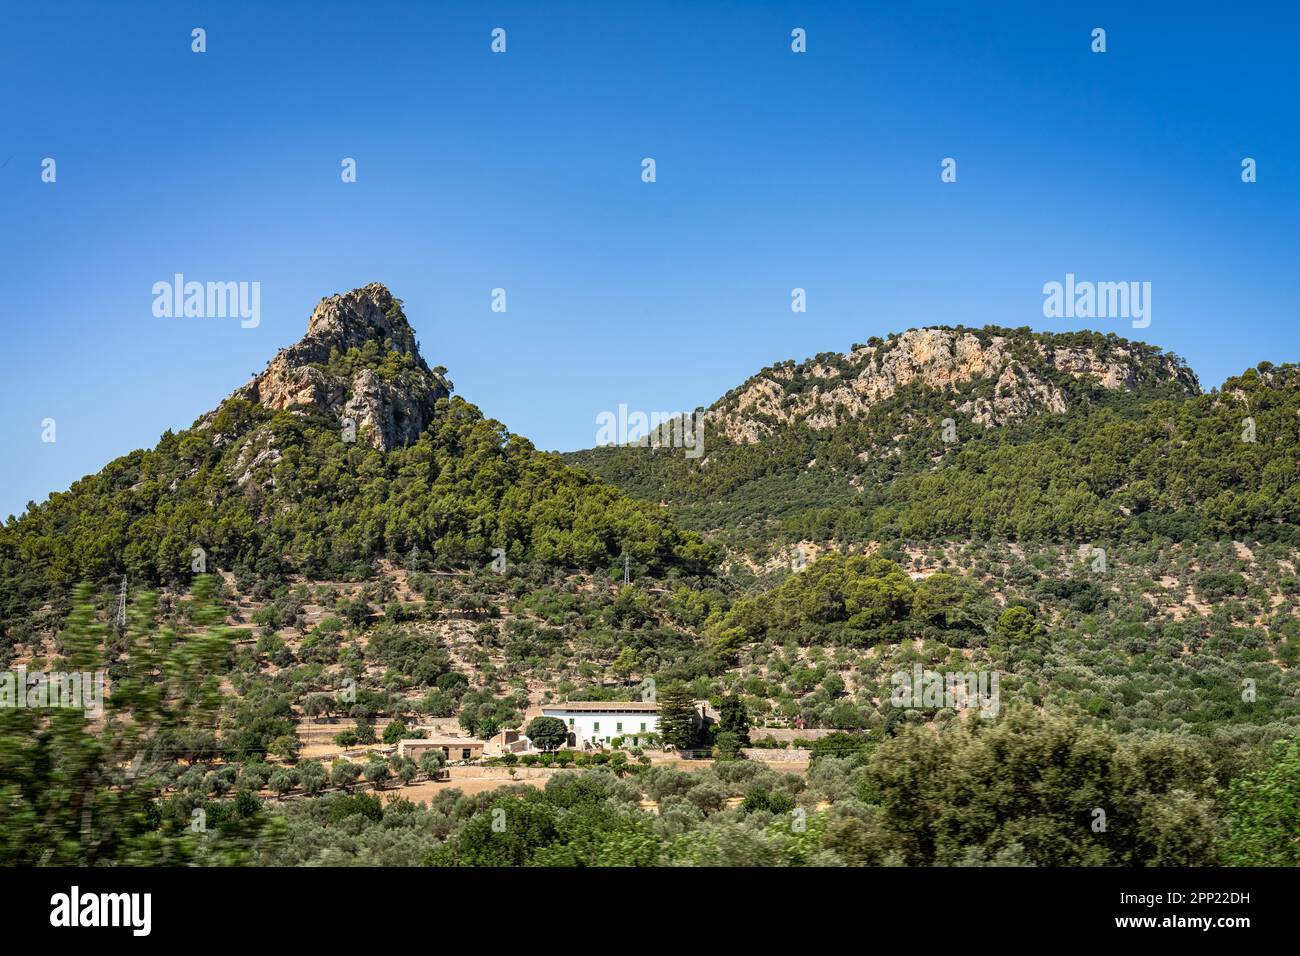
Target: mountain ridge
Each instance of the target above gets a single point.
(1022, 372)
(993, 432)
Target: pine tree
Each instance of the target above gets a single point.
(733, 718)
(677, 717)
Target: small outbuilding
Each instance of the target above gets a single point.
(453, 748)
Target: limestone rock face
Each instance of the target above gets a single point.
(353, 318)
(997, 376)
(386, 392)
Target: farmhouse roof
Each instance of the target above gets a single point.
(605, 706)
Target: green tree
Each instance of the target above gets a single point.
(733, 718)
(1017, 623)
(286, 746)
(726, 745)
(677, 717)
(404, 769)
(625, 664)
(365, 731)
(377, 772)
(548, 733)
(1038, 783)
(318, 705)
(506, 833)
(344, 773)
(281, 782)
(431, 761)
(1263, 813)
(313, 776)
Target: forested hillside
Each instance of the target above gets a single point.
(342, 556)
(1136, 456)
(281, 486)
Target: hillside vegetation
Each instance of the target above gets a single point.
(1135, 461)
(342, 555)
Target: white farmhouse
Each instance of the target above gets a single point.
(595, 723)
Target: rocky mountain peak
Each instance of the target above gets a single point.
(360, 362)
(993, 375)
(351, 319)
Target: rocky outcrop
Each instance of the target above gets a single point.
(383, 390)
(354, 318)
(1014, 373)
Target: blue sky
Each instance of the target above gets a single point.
(522, 171)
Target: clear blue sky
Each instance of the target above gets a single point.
(522, 171)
